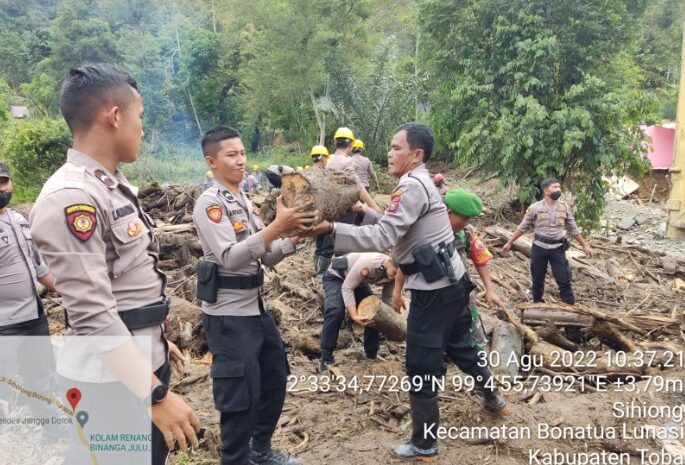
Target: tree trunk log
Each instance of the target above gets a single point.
(550, 333)
(506, 340)
(388, 321)
(609, 335)
(539, 316)
(331, 192)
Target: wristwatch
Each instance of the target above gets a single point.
(158, 393)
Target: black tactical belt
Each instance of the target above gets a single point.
(145, 317)
(139, 318)
(548, 240)
(413, 268)
(241, 282)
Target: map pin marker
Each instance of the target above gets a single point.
(82, 418)
(74, 397)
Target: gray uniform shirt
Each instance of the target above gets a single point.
(549, 220)
(20, 265)
(229, 231)
(355, 275)
(100, 245)
(364, 169)
(343, 162)
(415, 216)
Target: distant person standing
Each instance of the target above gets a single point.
(341, 160)
(439, 182)
(549, 217)
(319, 155)
(21, 309)
(363, 165)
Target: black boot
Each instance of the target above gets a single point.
(264, 454)
(423, 446)
(493, 400)
(326, 359)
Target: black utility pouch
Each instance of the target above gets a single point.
(339, 263)
(566, 244)
(207, 281)
(428, 262)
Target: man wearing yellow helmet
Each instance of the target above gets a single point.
(319, 154)
(363, 164)
(341, 160)
(208, 181)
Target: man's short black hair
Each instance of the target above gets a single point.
(548, 182)
(342, 143)
(88, 87)
(419, 136)
(214, 136)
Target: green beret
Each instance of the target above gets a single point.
(463, 202)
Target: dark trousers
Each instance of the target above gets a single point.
(29, 358)
(98, 397)
(439, 325)
(249, 371)
(556, 257)
(334, 315)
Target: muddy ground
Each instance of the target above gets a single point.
(349, 427)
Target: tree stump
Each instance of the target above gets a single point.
(388, 321)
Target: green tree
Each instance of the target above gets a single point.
(35, 149)
(520, 90)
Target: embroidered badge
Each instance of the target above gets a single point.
(214, 213)
(239, 225)
(81, 220)
(134, 229)
(104, 179)
(394, 204)
(364, 273)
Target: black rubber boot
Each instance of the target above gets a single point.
(264, 454)
(423, 446)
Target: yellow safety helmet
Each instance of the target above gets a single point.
(306, 167)
(344, 133)
(255, 167)
(319, 150)
(358, 144)
(299, 168)
(209, 174)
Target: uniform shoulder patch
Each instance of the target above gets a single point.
(214, 213)
(364, 273)
(394, 204)
(81, 220)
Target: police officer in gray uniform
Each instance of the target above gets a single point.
(415, 224)
(90, 228)
(345, 285)
(21, 311)
(249, 363)
(550, 217)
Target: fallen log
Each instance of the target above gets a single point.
(550, 333)
(540, 316)
(507, 343)
(387, 320)
(582, 310)
(525, 246)
(609, 335)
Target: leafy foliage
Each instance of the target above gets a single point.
(519, 89)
